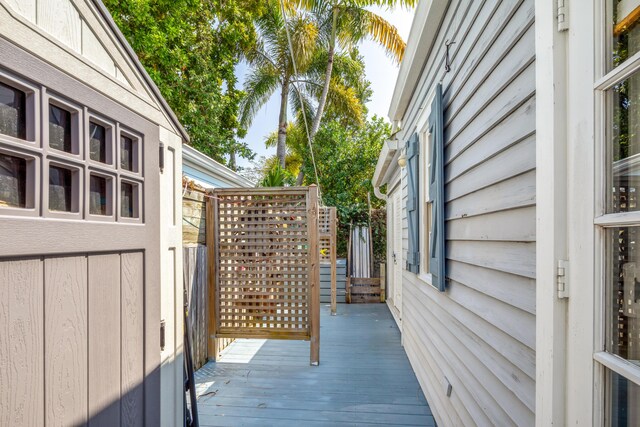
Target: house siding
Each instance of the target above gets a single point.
(479, 335)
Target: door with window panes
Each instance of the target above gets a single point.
(618, 95)
(79, 253)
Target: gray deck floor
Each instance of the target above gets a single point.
(364, 378)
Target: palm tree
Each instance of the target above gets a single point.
(346, 23)
(272, 67)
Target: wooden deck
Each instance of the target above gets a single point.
(364, 378)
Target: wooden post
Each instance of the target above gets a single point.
(314, 274)
(333, 230)
(210, 218)
(348, 278)
(383, 281)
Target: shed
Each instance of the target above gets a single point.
(90, 230)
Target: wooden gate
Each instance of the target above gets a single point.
(327, 236)
(264, 269)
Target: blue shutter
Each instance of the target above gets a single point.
(437, 248)
(413, 188)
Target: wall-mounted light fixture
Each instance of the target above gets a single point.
(402, 160)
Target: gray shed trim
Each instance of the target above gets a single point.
(134, 58)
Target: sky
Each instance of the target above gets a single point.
(380, 71)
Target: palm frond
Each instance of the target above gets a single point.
(258, 86)
(301, 100)
(345, 99)
(385, 3)
(386, 35)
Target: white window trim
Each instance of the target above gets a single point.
(422, 129)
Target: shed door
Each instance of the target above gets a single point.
(79, 253)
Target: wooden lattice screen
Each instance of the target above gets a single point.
(327, 237)
(265, 266)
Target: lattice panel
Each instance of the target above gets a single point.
(263, 264)
(326, 233)
(325, 249)
(324, 220)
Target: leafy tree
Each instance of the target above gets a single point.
(190, 49)
(346, 158)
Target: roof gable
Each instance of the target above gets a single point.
(86, 28)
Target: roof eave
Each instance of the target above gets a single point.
(195, 157)
(424, 29)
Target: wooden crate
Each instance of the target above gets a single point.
(365, 290)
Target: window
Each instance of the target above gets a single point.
(100, 195)
(97, 142)
(129, 153)
(620, 224)
(59, 128)
(13, 117)
(426, 203)
(58, 159)
(63, 189)
(129, 200)
(425, 195)
(13, 181)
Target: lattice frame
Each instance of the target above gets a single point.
(327, 230)
(266, 267)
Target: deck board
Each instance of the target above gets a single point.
(364, 378)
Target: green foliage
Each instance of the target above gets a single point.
(190, 49)
(346, 158)
(277, 177)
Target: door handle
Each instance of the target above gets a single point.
(395, 260)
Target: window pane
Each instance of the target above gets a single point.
(623, 401)
(625, 30)
(623, 293)
(59, 128)
(126, 153)
(129, 200)
(98, 195)
(60, 189)
(97, 142)
(13, 120)
(13, 181)
(624, 148)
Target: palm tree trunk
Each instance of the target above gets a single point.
(327, 79)
(232, 160)
(281, 149)
(300, 177)
(323, 97)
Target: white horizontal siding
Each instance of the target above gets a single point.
(479, 335)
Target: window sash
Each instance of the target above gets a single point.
(605, 221)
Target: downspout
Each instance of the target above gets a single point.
(379, 194)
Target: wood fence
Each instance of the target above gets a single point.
(195, 254)
(264, 273)
(327, 235)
